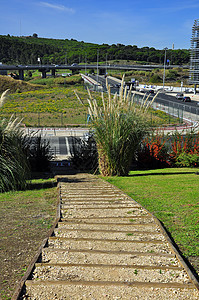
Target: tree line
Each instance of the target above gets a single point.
(27, 50)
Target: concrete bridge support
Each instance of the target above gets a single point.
(102, 71)
(21, 74)
(53, 72)
(43, 73)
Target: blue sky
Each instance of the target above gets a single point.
(151, 23)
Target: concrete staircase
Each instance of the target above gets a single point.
(107, 246)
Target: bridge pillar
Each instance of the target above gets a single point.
(53, 72)
(43, 73)
(102, 71)
(21, 74)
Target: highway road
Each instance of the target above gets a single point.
(171, 101)
(88, 66)
(60, 139)
(163, 98)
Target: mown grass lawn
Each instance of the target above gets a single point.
(25, 219)
(172, 195)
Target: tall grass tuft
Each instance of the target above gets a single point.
(14, 169)
(119, 126)
(3, 97)
(19, 153)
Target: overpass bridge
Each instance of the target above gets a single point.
(102, 68)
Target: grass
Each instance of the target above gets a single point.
(56, 106)
(172, 196)
(52, 102)
(25, 218)
(16, 85)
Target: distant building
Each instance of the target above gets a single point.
(194, 55)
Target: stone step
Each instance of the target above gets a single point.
(97, 200)
(101, 220)
(90, 290)
(155, 246)
(108, 212)
(129, 227)
(86, 187)
(115, 235)
(83, 256)
(104, 195)
(109, 273)
(94, 205)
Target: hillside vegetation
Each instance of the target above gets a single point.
(16, 85)
(26, 50)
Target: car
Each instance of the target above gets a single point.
(186, 99)
(151, 92)
(179, 96)
(142, 91)
(74, 64)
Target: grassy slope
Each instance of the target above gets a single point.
(16, 85)
(25, 218)
(172, 196)
(55, 103)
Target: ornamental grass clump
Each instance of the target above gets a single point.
(14, 169)
(119, 126)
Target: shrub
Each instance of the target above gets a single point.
(187, 160)
(153, 153)
(155, 79)
(159, 151)
(84, 154)
(38, 154)
(180, 144)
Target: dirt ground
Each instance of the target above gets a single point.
(25, 219)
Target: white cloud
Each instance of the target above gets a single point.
(57, 7)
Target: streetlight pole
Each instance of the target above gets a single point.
(85, 63)
(165, 55)
(106, 63)
(97, 65)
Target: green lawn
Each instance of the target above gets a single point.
(172, 195)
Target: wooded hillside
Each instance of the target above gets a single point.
(26, 50)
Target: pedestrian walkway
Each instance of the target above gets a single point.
(107, 246)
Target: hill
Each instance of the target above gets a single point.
(16, 85)
(26, 50)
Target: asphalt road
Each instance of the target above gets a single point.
(162, 98)
(171, 101)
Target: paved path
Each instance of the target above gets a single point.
(107, 246)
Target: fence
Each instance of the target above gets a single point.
(181, 111)
(47, 119)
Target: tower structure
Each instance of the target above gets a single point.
(194, 55)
